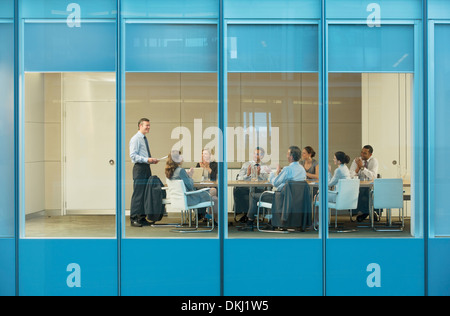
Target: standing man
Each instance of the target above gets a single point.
(141, 157)
(365, 168)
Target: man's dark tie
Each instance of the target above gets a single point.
(146, 145)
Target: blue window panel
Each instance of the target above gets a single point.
(441, 185)
(359, 48)
(173, 267)
(438, 9)
(7, 130)
(6, 9)
(175, 9)
(60, 9)
(57, 47)
(171, 48)
(375, 267)
(7, 267)
(438, 271)
(70, 267)
(273, 267)
(272, 48)
(275, 9)
(362, 9)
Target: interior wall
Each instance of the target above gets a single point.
(344, 115)
(34, 117)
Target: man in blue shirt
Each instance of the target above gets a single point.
(141, 157)
(294, 172)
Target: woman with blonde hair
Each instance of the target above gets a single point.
(208, 164)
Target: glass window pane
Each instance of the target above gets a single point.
(171, 80)
(69, 125)
(272, 125)
(370, 131)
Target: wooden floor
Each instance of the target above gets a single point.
(103, 226)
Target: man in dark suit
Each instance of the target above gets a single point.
(141, 157)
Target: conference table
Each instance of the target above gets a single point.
(312, 183)
(253, 184)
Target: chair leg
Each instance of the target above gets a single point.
(268, 231)
(335, 219)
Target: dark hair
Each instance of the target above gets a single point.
(296, 153)
(171, 164)
(262, 152)
(370, 148)
(310, 151)
(143, 120)
(342, 157)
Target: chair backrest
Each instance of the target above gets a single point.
(388, 193)
(176, 194)
(348, 193)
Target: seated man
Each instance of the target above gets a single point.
(241, 194)
(365, 168)
(294, 172)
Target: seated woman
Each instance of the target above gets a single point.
(342, 172)
(174, 171)
(208, 164)
(311, 165)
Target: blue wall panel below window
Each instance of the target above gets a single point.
(57, 47)
(375, 267)
(273, 267)
(7, 267)
(438, 267)
(69, 267)
(170, 267)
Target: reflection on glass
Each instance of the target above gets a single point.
(70, 154)
(370, 121)
(272, 135)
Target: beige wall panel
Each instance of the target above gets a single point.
(89, 87)
(52, 97)
(34, 187)
(34, 98)
(344, 137)
(34, 142)
(234, 98)
(274, 93)
(52, 185)
(199, 97)
(53, 142)
(310, 136)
